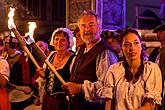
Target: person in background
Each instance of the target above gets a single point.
(112, 39)
(145, 54)
(54, 97)
(90, 65)
(154, 54)
(39, 82)
(4, 78)
(79, 41)
(44, 47)
(132, 84)
(160, 31)
(19, 71)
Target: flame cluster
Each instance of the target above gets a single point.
(32, 25)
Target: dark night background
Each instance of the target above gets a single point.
(50, 14)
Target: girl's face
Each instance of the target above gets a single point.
(60, 42)
(131, 47)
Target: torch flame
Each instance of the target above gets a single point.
(32, 26)
(11, 20)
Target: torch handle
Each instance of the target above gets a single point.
(37, 50)
(55, 72)
(31, 57)
(21, 41)
(23, 46)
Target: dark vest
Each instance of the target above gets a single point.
(64, 73)
(84, 67)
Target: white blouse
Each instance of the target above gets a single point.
(4, 68)
(130, 96)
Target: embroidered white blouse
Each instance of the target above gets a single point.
(130, 96)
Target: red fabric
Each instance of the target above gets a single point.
(4, 100)
(36, 75)
(50, 103)
(34, 78)
(25, 70)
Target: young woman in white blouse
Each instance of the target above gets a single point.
(133, 84)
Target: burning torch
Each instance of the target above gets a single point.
(21, 40)
(22, 43)
(30, 40)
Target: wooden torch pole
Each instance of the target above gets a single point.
(43, 57)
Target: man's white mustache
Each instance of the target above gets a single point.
(86, 33)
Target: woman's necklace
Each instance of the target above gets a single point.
(61, 57)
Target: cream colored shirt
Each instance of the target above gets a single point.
(130, 96)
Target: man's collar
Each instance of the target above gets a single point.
(91, 45)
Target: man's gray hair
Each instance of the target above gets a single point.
(90, 13)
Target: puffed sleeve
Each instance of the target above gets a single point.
(153, 83)
(115, 72)
(92, 90)
(4, 69)
(107, 90)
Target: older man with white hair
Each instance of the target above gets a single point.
(90, 65)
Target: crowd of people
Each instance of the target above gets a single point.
(108, 71)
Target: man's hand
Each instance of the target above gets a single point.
(72, 88)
